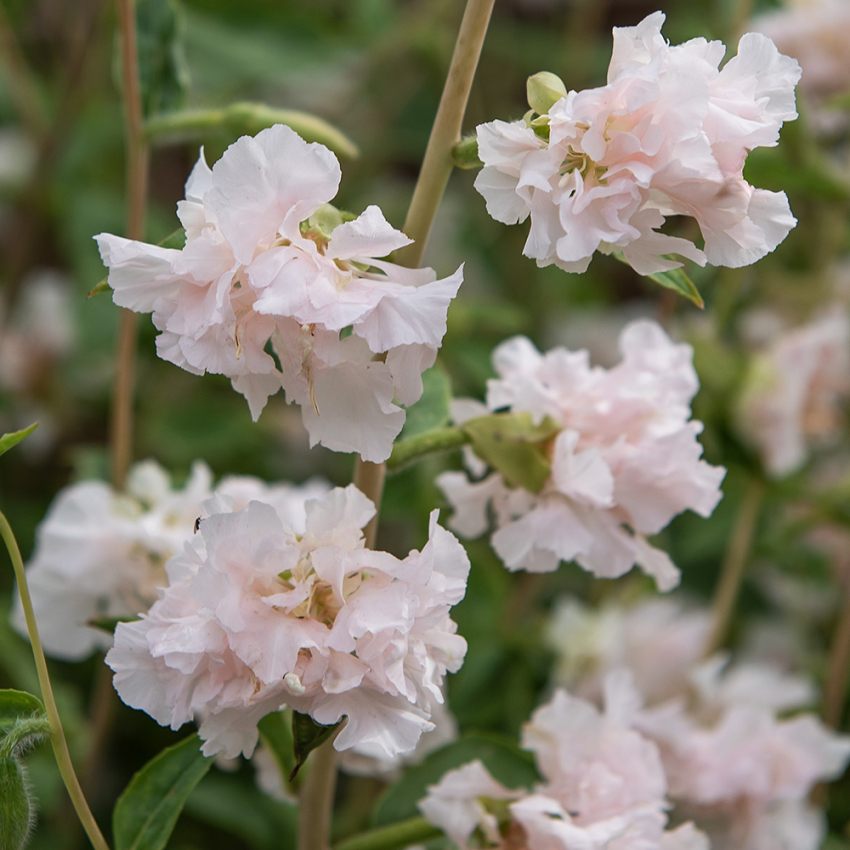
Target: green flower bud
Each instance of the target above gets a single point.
(544, 89)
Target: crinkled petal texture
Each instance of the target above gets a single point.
(668, 135)
(626, 462)
(603, 786)
(100, 554)
(261, 613)
(255, 269)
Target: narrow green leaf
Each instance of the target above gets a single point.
(17, 808)
(515, 446)
(396, 836)
(307, 735)
(509, 764)
(163, 72)
(15, 704)
(432, 409)
(277, 735)
(177, 240)
(147, 810)
(249, 118)
(678, 281)
(108, 624)
(9, 441)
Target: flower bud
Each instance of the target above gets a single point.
(544, 89)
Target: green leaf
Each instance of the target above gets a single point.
(678, 281)
(17, 807)
(23, 734)
(515, 446)
(307, 735)
(278, 737)
(9, 441)
(465, 153)
(16, 704)
(177, 240)
(109, 624)
(163, 72)
(147, 810)
(432, 409)
(509, 765)
(249, 118)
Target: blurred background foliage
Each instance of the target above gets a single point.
(374, 69)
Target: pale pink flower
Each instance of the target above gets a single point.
(257, 267)
(257, 616)
(796, 391)
(814, 33)
(626, 462)
(658, 640)
(101, 554)
(667, 135)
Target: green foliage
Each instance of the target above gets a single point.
(674, 279)
(307, 735)
(432, 409)
(278, 735)
(9, 441)
(514, 445)
(163, 72)
(507, 763)
(23, 723)
(147, 810)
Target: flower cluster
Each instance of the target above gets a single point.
(604, 786)
(667, 136)
(257, 616)
(735, 762)
(795, 391)
(267, 259)
(101, 554)
(624, 464)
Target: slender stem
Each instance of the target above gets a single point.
(437, 164)
(317, 796)
(21, 84)
(835, 687)
(138, 157)
(396, 836)
(57, 734)
(437, 440)
(734, 562)
(438, 161)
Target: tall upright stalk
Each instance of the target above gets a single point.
(734, 563)
(437, 165)
(57, 734)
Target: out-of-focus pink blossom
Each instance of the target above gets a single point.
(814, 33)
(257, 616)
(101, 554)
(796, 391)
(626, 462)
(667, 136)
(258, 266)
(603, 786)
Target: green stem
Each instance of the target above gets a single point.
(734, 562)
(317, 796)
(438, 440)
(393, 837)
(838, 670)
(57, 733)
(246, 118)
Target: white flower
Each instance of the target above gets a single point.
(796, 390)
(256, 267)
(101, 554)
(257, 616)
(667, 135)
(626, 462)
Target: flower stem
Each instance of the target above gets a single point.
(436, 440)
(393, 837)
(57, 734)
(835, 686)
(734, 562)
(317, 796)
(138, 158)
